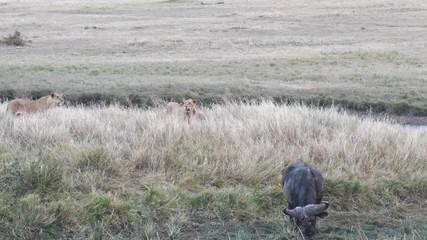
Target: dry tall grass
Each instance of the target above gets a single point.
(242, 143)
(126, 153)
(237, 143)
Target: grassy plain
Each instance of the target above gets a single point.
(121, 173)
(363, 55)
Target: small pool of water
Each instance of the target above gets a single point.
(414, 127)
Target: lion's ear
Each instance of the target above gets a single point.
(194, 101)
(52, 94)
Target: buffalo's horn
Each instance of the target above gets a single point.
(295, 213)
(315, 209)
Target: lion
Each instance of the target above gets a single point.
(25, 106)
(188, 109)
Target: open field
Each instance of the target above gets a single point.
(362, 55)
(131, 173)
(120, 172)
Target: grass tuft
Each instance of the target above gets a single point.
(98, 160)
(41, 175)
(31, 218)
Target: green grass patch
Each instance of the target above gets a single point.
(313, 79)
(32, 174)
(98, 160)
(30, 217)
(237, 212)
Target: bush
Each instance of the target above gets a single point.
(14, 40)
(7, 94)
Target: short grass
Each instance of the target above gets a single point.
(127, 173)
(363, 56)
(318, 80)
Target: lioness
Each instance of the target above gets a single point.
(20, 106)
(188, 109)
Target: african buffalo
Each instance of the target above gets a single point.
(302, 186)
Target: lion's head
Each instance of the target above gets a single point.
(190, 106)
(57, 99)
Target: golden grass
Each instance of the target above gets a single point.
(238, 143)
(100, 169)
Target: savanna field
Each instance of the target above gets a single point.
(277, 81)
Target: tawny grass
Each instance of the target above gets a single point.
(236, 143)
(89, 171)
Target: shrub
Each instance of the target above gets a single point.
(14, 40)
(7, 94)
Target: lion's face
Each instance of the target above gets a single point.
(57, 99)
(189, 105)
